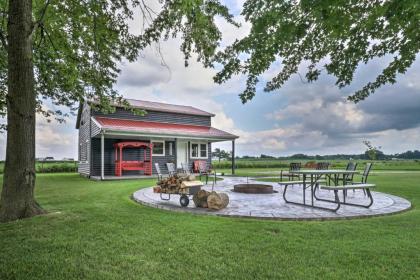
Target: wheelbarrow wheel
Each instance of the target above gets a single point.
(184, 200)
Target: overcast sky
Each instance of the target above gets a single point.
(299, 118)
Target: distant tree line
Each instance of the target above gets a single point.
(379, 155)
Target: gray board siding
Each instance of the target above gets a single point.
(84, 145)
(155, 116)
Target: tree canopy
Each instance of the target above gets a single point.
(71, 51)
(333, 36)
(78, 46)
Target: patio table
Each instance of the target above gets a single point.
(313, 181)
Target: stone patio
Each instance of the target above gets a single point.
(272, 206)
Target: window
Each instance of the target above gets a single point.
(194, 150)
(170, 148)
(203, 150)
(83, 151)
(158, 148)
(198, 150)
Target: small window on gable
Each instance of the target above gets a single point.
(158, 148)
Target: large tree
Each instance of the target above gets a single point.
(65, 51)
(331, 36)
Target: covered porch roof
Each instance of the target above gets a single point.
(156, 129)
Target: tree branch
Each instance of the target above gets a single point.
(3, 39)
(41, 18)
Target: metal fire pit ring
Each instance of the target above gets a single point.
(254, 188)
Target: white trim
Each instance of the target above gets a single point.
(159, 141)
(186, 137)
(170, 148)
(96, 122)
(102, 156)
(199, 143)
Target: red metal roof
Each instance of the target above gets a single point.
(165, 107)
(168, 129)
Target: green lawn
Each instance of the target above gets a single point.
(95, 231)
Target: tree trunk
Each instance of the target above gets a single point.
(17, 197)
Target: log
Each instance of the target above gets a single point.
(217, 201)
(200, 198)
(187, 184)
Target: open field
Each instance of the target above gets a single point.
(284, 164)
(244, 164)
(95, 231)
(51, 166)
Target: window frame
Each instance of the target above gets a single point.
(199, 150)
(163, 150)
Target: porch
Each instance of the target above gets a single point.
(177, 150)
(125, 177)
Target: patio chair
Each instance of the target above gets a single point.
(185, 168)
(322, 165)
(365, 175)
(159, 173)
(171, 168)
(205, 169)
(348, 178)
(294, 166)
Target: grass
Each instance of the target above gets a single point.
(95, 231)
(284, 164)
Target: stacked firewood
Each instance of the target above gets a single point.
(173, 184)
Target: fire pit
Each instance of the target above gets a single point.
(253, 188)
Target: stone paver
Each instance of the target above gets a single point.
(272, 206)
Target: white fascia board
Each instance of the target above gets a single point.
(96, 122)
(124, 133)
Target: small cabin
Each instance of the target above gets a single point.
(122, 144)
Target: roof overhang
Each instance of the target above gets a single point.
(120, 127)
(129, 134)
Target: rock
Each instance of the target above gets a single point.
(217, 201)
(191, 177)
(200, 198)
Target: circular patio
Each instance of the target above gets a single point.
(272, 206)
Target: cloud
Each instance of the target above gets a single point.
(310, 118)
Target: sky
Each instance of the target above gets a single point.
(311, 118)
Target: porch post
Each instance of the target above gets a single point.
(174, 151)
(233, 157)
(102, 155)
